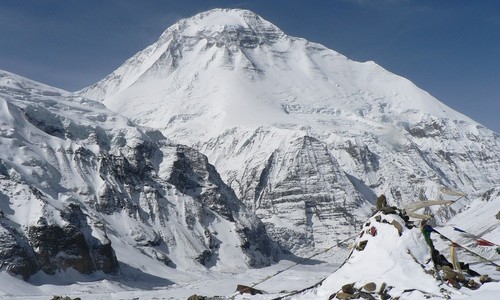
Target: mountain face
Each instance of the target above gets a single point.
(304, 136)
(77, 181)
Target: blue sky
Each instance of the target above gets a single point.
(450, 48)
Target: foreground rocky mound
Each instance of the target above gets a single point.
(391, 259)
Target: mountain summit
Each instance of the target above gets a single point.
(234, 68)
(305, 136)
(219, 28)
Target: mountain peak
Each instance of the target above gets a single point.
(229, 28)
(218, 20)
(193, 39)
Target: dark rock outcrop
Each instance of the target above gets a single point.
(51, 247)
(194, 176)
(16, 254)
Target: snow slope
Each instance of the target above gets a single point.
(298, 130)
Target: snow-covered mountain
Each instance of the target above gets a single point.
(83, 188)
(303, 135)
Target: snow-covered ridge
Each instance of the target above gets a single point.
(82, 187)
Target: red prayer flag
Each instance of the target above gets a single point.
(482, 242)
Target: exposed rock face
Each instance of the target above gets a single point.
(58, 240)
(126, 176)
(51, 247)
(16, 254)
(194, 176)
(306, 180)
(299, 190)
(71, 246)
